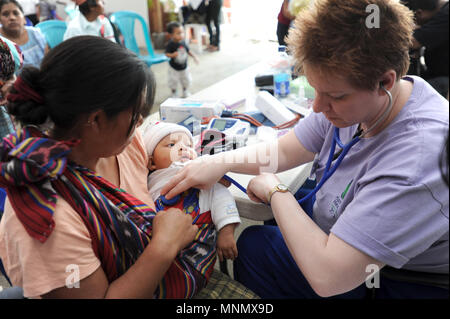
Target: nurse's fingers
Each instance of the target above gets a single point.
(176, 185)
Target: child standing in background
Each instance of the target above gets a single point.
(178, 51)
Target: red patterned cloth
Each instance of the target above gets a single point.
(35, 170)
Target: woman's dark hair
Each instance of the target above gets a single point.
(81, 75)
(151, 93)
(85, 8)
(4, 2)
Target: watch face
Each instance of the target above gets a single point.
(283, 188)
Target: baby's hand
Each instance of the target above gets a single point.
(226, 245)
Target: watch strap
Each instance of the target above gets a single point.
(278, 188)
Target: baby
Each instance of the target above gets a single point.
(169, 147)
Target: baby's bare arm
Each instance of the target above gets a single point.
(226, 244)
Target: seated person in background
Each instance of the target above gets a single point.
(30, 39)
(90, 21)
(284, 22)
(177, 50)
(30, 10)
(432, 33)
(45, 10)
(169, 147)
(11, 59)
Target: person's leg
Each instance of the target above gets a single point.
(266, 267)
(217, 10)
(186, 12)
(392, 289)
(172, 80)
(186, 80)
(208, 19)
(282, 31)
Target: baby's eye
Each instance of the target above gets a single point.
(171, 144)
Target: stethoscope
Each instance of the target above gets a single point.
(340, 155)
(329, 168)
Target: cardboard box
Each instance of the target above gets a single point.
(176, 110)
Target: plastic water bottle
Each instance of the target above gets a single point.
(282, 75)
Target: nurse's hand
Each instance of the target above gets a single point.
(258, 188)
(201, 173)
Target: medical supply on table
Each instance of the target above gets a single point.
(211, 142)
(235, 130)
(264, 80)
(340, 155)
(222, 134)
(273, 109)
(298, 105)
(231, 103)
(193, 124)
(266, 134)
(282, 75)
(175, 110)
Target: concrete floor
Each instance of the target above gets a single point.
(236, 53)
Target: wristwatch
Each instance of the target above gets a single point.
(279, 188)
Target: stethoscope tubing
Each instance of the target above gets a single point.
(329, 168)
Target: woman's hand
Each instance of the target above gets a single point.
(259, 187)
(173, 229)
(201, 173)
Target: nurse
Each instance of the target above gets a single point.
(386, 206)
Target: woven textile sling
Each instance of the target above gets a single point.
(35, 170)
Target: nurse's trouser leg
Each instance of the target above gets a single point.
(265, 266)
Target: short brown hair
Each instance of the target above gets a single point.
(334, 37)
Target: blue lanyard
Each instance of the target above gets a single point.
(329, 169)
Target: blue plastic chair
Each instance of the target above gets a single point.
(53, 30)
(125, 21)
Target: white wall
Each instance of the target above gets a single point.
(139, 6)
(255, 19)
